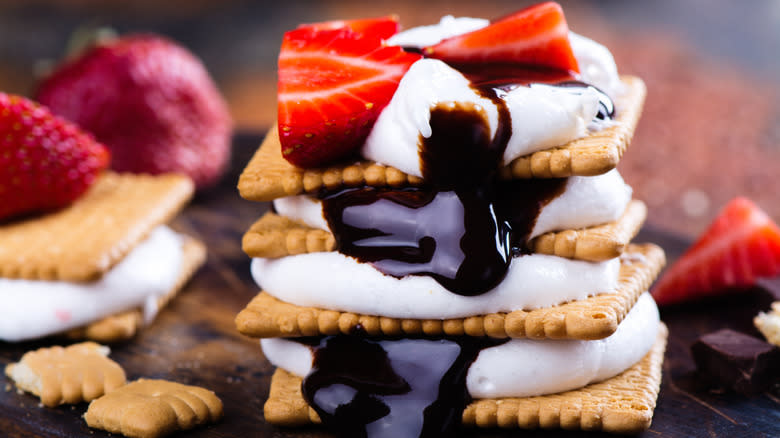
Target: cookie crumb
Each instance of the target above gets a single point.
(66, 375)
(769, 324)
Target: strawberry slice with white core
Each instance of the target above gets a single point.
(332, 86)
(741, 245)
(380, 27)
(535, 36)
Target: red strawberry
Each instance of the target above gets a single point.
(536, 36)
(381, 27)
(150, 101)
(332, 86)
(46, 162)
(740, 245)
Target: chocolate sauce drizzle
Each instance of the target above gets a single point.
(463, 228)
(463, 239)
(409, 387)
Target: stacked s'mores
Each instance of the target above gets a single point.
(100, 268)
(471, 262)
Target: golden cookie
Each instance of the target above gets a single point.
(125, 325)
(85, 240)
(595, 154)
(594, 244)
(623, 404)
(269, 176)
(153, 408)
(592, 318)
(74, 374)
(274, 236)
(769, 324)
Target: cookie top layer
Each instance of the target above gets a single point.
(595, 317)
(85, 240)
(269, 176)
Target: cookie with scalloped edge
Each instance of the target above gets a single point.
(83, 241)
(595, 317)
(149, 408)
(67, 375)
(275, 236)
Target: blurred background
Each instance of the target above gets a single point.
(711, 125)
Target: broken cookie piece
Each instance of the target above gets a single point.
(153, 408)
(769, 324)
(78, 373)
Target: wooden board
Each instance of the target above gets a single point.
(194, 341)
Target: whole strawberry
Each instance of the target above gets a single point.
(150, 101)
(46, 162)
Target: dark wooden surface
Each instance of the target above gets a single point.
(194, 341)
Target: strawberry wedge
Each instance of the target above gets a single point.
(742, 244)
(380, 27)
(332, 86)
(535, 36)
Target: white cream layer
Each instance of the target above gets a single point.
(525, 367)
(542, 117)
(33, 309)
(330, 280)
(586, 202)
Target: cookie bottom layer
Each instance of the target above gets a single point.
(622, 404)
(124, 325)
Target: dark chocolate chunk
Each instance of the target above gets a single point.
(737, 361)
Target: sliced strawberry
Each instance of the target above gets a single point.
(743, 243)
(380, 27)
(536, 36)
(332, 86)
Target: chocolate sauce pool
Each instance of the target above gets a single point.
(389, 388)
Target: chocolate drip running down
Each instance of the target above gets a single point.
(463, 228)
(507, 76)
(365, 387)
(463, 239)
